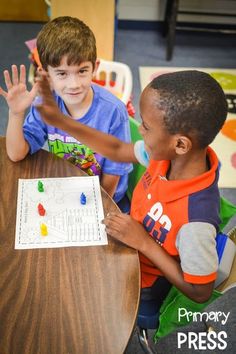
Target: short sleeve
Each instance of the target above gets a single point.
(35, 130)
(197, 250)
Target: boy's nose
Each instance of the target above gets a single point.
(74, 82)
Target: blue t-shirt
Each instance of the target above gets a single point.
(107, 114)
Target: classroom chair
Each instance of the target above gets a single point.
(116, 77)
(171, 24)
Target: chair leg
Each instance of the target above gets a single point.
(171, 16)
(166, 18)
(143, 339)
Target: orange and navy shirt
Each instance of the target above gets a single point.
(183, 217)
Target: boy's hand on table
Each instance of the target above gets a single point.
(127, 230)
(48, 108)
(17, 96)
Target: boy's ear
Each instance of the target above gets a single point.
(96, 66)
(182, 145)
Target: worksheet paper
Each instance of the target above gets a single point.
(68, 221)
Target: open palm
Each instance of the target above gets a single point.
(17, 96)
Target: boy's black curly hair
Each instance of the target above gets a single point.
(193, 102)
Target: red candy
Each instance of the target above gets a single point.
(41, 210)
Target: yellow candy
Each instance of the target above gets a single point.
(44, 230)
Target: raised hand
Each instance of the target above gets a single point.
(125, 229)
(47, 107)
(105, 144)
(17, 96)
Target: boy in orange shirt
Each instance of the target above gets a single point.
(174, 214)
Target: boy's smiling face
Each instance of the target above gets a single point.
(72, 82)
(159, 143)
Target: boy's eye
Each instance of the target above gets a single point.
(61, 74)
(83, 71)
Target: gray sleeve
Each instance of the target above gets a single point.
(197, 249)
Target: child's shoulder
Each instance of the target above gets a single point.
(107, 97)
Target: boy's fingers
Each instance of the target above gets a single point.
(44, 87)
(112, 229)
(34, 90)
(111, 224)
(109, 218)
(15, 76)
(116, 218)
(42, 75)
(22, 74)
(113, 233)
(112, 213)
(119, 217)
(7, 79)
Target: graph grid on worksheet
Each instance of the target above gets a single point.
(68, 220)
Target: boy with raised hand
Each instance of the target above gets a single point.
(67, 51)
(174, 214)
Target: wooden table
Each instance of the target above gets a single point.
(75, 300)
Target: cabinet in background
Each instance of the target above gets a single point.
(23, 10)
(99, 15)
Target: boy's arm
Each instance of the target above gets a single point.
(16, 145)
(105, 144)
(18, 99)
(125, 229)
(110, 183)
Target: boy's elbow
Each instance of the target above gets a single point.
(201, 298)
(202, 293)
(16, 151)
(16, 156)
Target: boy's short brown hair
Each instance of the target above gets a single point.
(66, 36)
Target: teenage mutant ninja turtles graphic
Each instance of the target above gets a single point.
(80, 155)
(85, 159)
